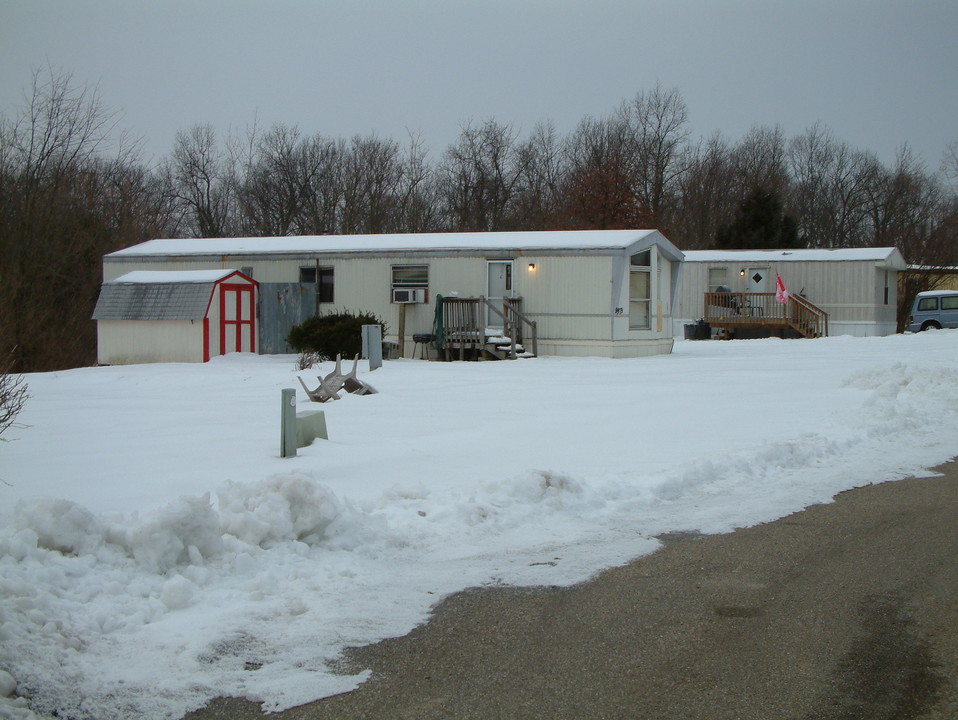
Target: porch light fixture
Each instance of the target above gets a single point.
(532, 267)
(742, 272)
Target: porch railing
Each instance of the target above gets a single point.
(464, 324)
(513, 321)
(810, 319)
(727, 310)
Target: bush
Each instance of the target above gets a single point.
(13, 394)
(330, 335)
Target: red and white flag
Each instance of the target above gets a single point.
(781, 294)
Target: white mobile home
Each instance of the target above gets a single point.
(606, 293)
(175, 316)
(856, 287)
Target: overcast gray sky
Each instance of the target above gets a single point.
(878, 73)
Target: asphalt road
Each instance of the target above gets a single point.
(843, 611)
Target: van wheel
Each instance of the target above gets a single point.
(930, 325)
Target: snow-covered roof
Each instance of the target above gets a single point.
(525, 241)
(807, 255)
(934, 269)
(173, 276)
(153, 301)
(158, 295)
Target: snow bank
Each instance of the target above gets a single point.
(150, 523)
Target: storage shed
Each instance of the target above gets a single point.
(605, 293)
(175, 316)
(856, 287)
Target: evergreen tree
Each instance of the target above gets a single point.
(760, 223)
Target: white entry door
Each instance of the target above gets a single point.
(756, 280)
(498, 287)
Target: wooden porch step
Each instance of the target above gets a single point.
(728, 311)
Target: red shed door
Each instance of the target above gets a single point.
(237, 318)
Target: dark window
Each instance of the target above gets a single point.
(928, 303)
(325, 288)
(307, 275)
(642, 259)
(949, 302)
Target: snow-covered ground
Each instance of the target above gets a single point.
(155, 550)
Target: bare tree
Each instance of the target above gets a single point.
(273, 193)
(598, 191)
(13, 394)
(830, 196)
(68, 194)
(949, 165)
(479, 177)
(323, 202)
(62, 126)
(760, 160)
(912, 210)
(372, 173)
(538, 199)
(657, 121)
(417, 198)
(203, 178)
(706, 193)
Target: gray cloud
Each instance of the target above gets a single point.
(879, 73)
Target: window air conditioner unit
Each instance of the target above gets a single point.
(407, 295)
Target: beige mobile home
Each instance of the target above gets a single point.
(855, 287)
(602, 293)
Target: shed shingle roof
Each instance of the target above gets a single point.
(153, 301)
(158, 295)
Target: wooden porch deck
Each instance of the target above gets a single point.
(731, 311)
(464, 329)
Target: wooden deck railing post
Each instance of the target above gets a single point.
(463, 321)
(728, 311)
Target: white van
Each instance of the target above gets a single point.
(934, 309)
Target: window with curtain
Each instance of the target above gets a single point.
(410, 276)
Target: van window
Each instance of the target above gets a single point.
(928, 303)
(949, 302)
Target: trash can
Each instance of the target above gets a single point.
(700, 330)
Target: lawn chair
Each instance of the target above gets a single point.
(353, 384)
(330, 386)
(324, 393)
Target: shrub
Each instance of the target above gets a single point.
(13, 394)
(327, 336)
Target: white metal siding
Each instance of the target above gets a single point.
(123, 342)
(660, 310)
(569, 297)
(572, 297)
(850, 291)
